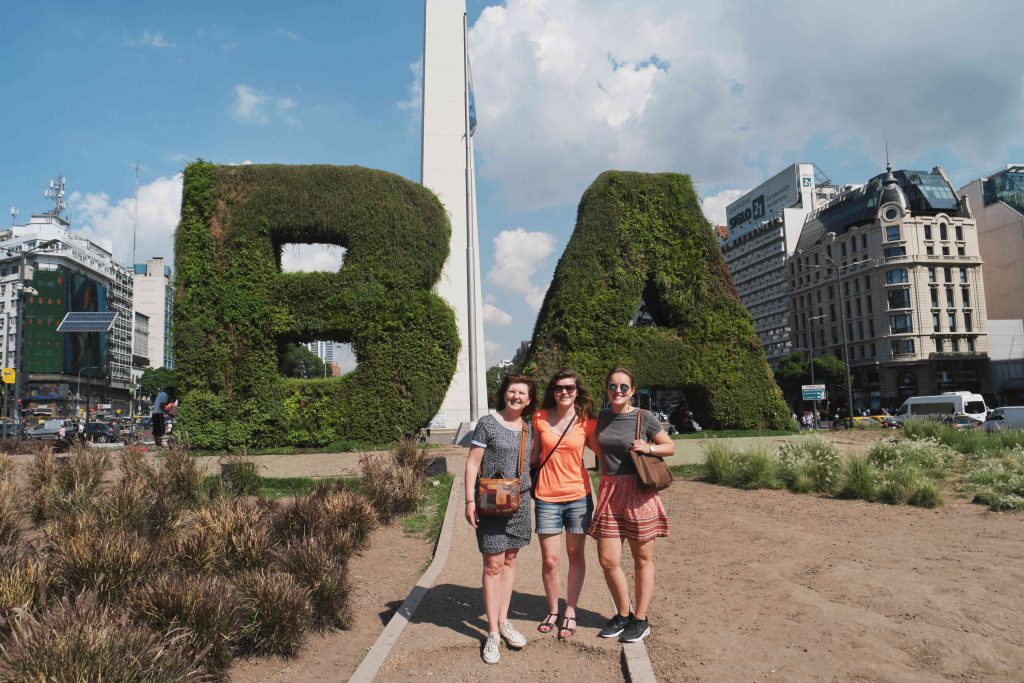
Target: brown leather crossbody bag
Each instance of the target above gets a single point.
(500, 497)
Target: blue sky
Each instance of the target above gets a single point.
(729, 92)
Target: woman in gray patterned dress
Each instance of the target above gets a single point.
(495, 453)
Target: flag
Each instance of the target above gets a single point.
(472, 99)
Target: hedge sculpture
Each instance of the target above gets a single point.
(642, 236)
(235, 310)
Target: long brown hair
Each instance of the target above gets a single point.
(583, 405)
(621, 370)
(508, 380)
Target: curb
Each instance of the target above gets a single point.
(638, 664)
(388, 638)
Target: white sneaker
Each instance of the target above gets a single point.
(513, 638)
(491, 651)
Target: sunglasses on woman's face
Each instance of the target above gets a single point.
(624, 388)
(564, 389)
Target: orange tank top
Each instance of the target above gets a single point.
(563, 477)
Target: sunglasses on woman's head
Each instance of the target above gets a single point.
(564, 389)
(624, 388)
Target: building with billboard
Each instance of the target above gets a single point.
(908, 302)
(153, 288)
(763, 228)
(64, 272)
(997, 202)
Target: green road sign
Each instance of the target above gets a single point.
(813, 392)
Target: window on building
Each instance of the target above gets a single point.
(901, 324)
(828, 250)
(846, 288)
(935, 322)
(960, 251)
(954, 345)
(967, 321)
(860, 330)
(832, 312)
(869, 304)
(831, 292)
(939, 344)
(894, 252)
(928, 232)
(853, 244)
(842, 249)
(970, 344)
(871, 328)
(935, 297)
(835, 335)
(897, 276)
(874, 352)
(902, 347)
(848, 314)
(959, 233)
(856, 285)
(952, 322)
(819, 296)
(859, 310)
(943, 232)
(963, 275)
(892, 233)
(863, 241)
(929, 250)
(950, 300)
(898, 297)
(947, 273)
(867, 283)
(945, 251)
(965, 296)
(931, 275)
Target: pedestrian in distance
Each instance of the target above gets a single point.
(158, 417)
(562, 492)
(495, 452)
(624, 511)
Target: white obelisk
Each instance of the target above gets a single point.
(447, 169)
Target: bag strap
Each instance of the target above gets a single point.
(639, 421)
(522, 450)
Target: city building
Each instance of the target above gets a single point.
(140, 346)
(154, 298)
(332, 354)
(64, 272)
(908, 301)
(1006, 349)
(997, 203)
(763, 228)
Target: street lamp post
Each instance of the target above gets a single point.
(831, 237)
(810, 331)
(78, 390)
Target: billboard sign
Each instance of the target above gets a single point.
(768, 199)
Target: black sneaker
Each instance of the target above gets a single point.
(636, 630)
(615, 626)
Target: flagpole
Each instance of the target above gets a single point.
(470, 251)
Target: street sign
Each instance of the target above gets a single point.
(813, 392)
(7, 374)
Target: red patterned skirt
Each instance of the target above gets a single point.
(624, 511)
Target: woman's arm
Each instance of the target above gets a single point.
(476, 454)
(535, 446)
(661, 445)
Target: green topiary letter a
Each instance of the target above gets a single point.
(643, 237)
(235, 310)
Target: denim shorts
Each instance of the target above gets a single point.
(573, 516)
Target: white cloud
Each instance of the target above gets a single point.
(518, 254)
(290, 35)
(254, 106)
(495, 316)
(150, 39)
(109, 224)
(307, 258)
(714, 206)
(414, 102)
(730, 92)
(492, 352)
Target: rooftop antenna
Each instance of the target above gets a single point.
(56, 193)
(14, 216)
(135, 220)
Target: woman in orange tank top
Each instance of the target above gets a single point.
(561, 491)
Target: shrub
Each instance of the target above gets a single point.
(42, 480)
(312, 564)
(226, 535)
(409, 456)
(757, 468)
(279, 612)
(811, 464)
(997, 477)
(208, 608)
(927, 455)
(179, 476)
(343, 521)
(83, 640)
(83, 471)
(7, 466)
(721, 462)
(926, 495)
(392, 489)
(23, 585)
(12, 510)
(860, 479)
(240, 476)
(899, 482)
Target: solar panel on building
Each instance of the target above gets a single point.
(87, 321)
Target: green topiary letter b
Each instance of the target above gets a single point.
(235, 310)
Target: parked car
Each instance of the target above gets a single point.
(961, 422)
(50, 429)
(101, 432)
(1008, 417)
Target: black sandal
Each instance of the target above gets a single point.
(548, 626)
(565, 627)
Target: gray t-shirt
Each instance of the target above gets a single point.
(615, 434)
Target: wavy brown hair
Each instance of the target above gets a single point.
(508, 380)
(584, 405)
(622, 370)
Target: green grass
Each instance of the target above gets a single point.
(429, 517)
(275, 488)
(696, 470)
(735, 433)
(342, 446)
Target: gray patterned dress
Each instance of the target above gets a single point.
(500, 459)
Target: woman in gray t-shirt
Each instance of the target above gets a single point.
(623, 510)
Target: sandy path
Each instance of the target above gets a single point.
(768, 585)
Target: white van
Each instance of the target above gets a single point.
(943, 405)
(1008, 417)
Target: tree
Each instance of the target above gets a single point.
(794, 371)
(494, 375)
(299, 362)
(154, 380)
